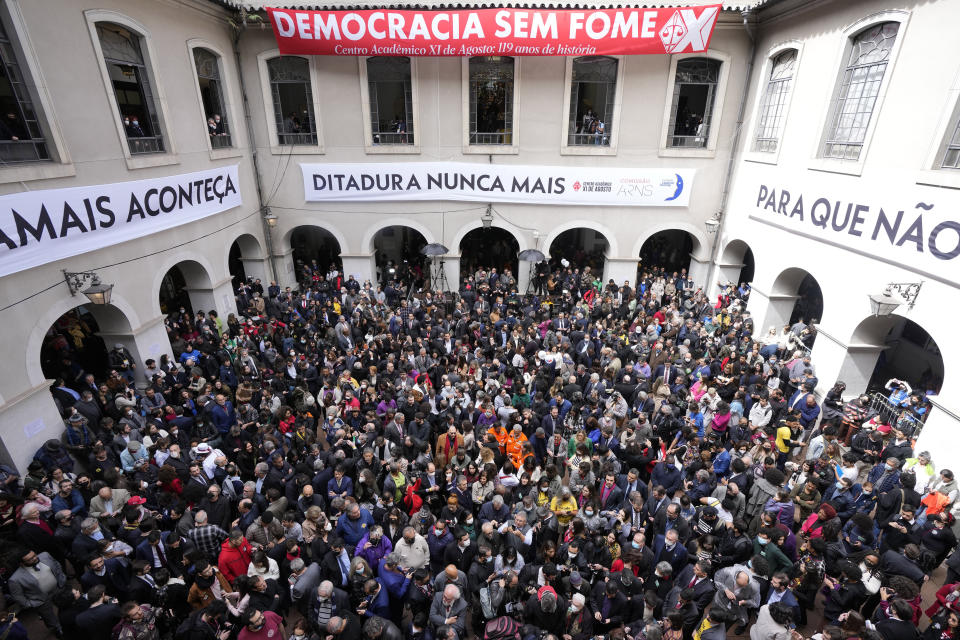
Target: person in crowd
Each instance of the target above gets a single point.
(340, 461)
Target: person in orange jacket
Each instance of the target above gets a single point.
(500, 434)
(514, 445)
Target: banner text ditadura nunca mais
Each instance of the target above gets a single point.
(494, 32)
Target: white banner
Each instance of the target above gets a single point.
(583, 186)
(37, 227)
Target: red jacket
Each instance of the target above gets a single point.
(234, 561)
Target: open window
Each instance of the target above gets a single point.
(132, 88)
(694, 96)
(292, 94)
(212, 97)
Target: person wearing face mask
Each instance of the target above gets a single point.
(577, 621)
(667, 548)
(413, 549)
(767, 544)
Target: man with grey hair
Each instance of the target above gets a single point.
(494, 511)
(328, 603)
(260, 473)
(449, 608)
(304, 581)
(207, 537)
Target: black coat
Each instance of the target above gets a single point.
(552, 622)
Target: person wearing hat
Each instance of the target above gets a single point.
(121, 361)
(813, 525)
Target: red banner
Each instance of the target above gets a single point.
(494, 32)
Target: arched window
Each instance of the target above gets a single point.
(391, 100)
(592, 97)
(292, 100)
(132, 89)
(858, 91)
(211, 94)
(491, 100)
(694, 94)
(773, 106)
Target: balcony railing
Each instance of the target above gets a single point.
(297, 138)
(14, 151)
(491, 138)
(146, 144)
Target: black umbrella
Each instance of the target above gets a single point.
(531, 255)
(434, 249)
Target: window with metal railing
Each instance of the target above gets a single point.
(491, 100)
(858, 92)
(292, 100)
(21, 138)
(132, 88)
(694, 94)
(592, 97)
(391, 100)
(773, 105)
(211, 95)
(951, 158)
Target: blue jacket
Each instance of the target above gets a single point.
(352, 531)
(379, 605)
(889, 483)
(223, 417)
(394, 582)
(721, 464)
(74, 504)
(438, 544)
(346, 484)
(677, 557)
(666, 475)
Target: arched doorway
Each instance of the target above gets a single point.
(907, 353)
(736, 263)
(74, 345)
(582, 248)
(314, 250)
(885, 347)
(397, 254)
(186, 286)
(245, 260)
(795, 297)
(667, 250)
(173, 292)
(488, 248)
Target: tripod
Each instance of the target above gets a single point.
(438, 276)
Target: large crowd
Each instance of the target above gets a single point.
(351, 462)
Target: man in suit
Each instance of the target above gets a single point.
(697, 578)
(612, 609)
(87, 543)
(669, 519)
(98, 619)
(667, 548)
(112, 574)
(162, 550)
(899, 625)
(335, 565)
(328, 602)
(304, 581)
(108, 504)
(142, 587)
(778, 590)
(682, 600)
(449, 608)
(33, 585)
(611, 496)
(628, 483)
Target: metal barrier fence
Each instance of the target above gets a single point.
(895, 416)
